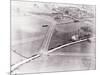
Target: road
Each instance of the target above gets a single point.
(76, 57)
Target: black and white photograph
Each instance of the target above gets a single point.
(52, 37)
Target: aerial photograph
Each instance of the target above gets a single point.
(52, 37)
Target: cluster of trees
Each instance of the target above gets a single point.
(74, 13)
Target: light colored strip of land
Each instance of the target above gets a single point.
(67, 45)
(14, 67)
